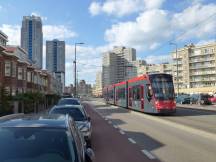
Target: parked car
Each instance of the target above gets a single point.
(183, 99)
(50, 138)
(80, 116)
(212, 99)
(69, 101)
(202, 99)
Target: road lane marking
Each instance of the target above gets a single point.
(109, 122)
(148, 154)
(131, 140)
(121, 131)
(189, 129)
(115, 126)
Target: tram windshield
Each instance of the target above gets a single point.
(162, 86)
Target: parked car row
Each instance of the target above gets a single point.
(62, 135)
(202, 99)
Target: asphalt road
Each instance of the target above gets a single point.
(188, 136)
(110, 145)
(200, 119)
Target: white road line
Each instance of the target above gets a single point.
(115, 126)
(131, 140)
(122, 132)
(109, 122)
(148, 154)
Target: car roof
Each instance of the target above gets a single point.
(69, 98)
(35, 121)
(68, 106)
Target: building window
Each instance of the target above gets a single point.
(13, 92)
(29, 76)
(20, 90)
(35, 79)
(13, 69)
(8, 90)
(24, 74)
(20, 73)
(7, 68)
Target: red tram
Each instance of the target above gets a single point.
(149, 93)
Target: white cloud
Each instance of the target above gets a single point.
(13, 33)
(49, 32)
(202, 42)
(121, 8)
(38, 14)
(94, 8)
(154, 27)
(57, 32)
(88, 62)
(144, 33)
(198, 19)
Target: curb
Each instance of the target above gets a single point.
(193, 108)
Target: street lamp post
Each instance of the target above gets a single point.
(177, 78)
(75, 83)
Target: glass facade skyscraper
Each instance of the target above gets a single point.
(55, 59)
(32, 38)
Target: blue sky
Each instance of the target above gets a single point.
(147, 25)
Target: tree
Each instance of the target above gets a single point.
(4, 102)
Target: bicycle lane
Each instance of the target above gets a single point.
(109, 144)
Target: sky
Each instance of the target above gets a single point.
(146, 25)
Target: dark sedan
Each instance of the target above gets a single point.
(41, 139)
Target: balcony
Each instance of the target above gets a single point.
(202, 60)
(203, 73)
(203, 66)
(203, 80)
(200, 54)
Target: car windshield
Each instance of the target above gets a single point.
(35, 145)
(75, 113)
(162, 87)
(68, 102)
(205, 96)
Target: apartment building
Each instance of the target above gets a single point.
(19, 75)
(97, 89)
(84, 89)
(196, 68)
(116, 63)
(155, 68)
(3, 42)
(55, 59)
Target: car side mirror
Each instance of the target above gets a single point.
(89, 155)
(88, 118)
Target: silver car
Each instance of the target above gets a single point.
(78, 113)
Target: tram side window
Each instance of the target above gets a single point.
(121, 93)
(110, 94)
(136, 92)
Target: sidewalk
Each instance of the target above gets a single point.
(198, 107)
